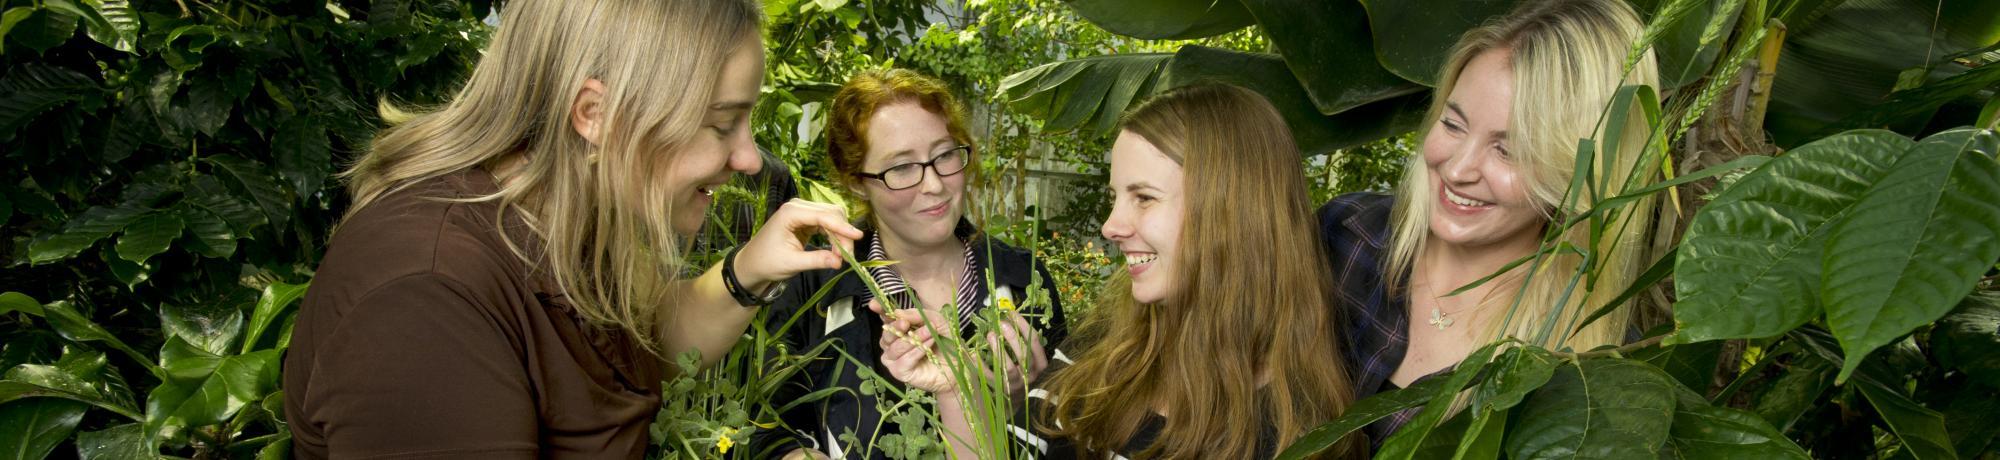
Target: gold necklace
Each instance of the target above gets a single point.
(1439, 318)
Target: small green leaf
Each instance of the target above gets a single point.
(1600, 408)
(46, 28)
(9, 19)
(204, 389)
(78, 376)
(1516, 372)
(212, 328)
(122, 442)
(74, 326)
(212, 235)
(80, 233)
(305, 158)
(149, 236)
(1968, 338)
(30, 90)
(251, 179)
(277, 300)
(1922, 430)
(31, 428)
(1702, 431)
(1411, 437)
(15, 301)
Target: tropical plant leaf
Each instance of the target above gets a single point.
(28, 91)
(31, 428)
(211, 328)
(1848, 59)
(78, 376)
(305, 158)
(203, 389)
(1366, 411)
(1164, 19)
(80, 233)
(1750, 263)
(212, 235)
(1922, 430)
(122, 442)
(1516, 373)
(1327, 47)
(1413, 38)
(251, 180)
(1915, 243)
(1692, 365)
(14, 301)
(1967, 338)
(149, 236)
(1920, 102)
(1266, 74)
(277, 300)
(1598, 408)
(74, 326)
(1702, 431)
(1084, 93)
(1411, 437)
(44, 28)
(119, 26)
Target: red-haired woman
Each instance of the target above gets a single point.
(899, 147)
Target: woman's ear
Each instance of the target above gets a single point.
(586, 113)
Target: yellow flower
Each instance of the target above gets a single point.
(1006, 304)
(723, 443)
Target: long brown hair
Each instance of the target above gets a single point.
(601, 212)
(1250, 338)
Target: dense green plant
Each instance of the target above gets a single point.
(1826, 301)
(167, 173)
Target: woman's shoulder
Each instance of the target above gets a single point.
(420, 231)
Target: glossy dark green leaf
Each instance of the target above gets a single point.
(1750, 263)
(26, 92)
(11, 18)
(205, 389)
(1408, 439)
(149, 236)
(305, 158)
(207, 106)
(1969, 337)
(1973, 415)
(1920, 102)
(212, 235)
(119, 28)
(1915, 243)
(1413, 38)
(209, 194)
(1703, 431)
(254, 181)
(1921, 429)
(1327, 47)
(74, 326)
(31, 428)
(122, 442)
(79, 376)
(213, 328)
(1090, 92)
(81, 232)
(1164, 19)
(1268, 75)
(277, 300)
(1600, 408)
(15, 301)
(1693, 365)
(1367, 411)
(45, 28)
(1846, 61)
(1516, 372)
(1798, 385)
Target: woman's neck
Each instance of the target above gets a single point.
(1447, 266)
(919, 262)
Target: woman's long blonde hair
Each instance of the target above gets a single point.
(600, 212)
(1250, 340)
(1568, 62)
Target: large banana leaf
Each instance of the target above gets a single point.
(1326, 45)
(1848, 61)
(1164, 19)
(1089, 94)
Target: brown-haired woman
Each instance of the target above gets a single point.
(504, 285)
(899, 146)
(1217, 339)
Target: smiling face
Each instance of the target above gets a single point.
(1481, 198)
(1146, 215)
(724, 145)
(924, 215)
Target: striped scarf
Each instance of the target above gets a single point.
(971, 291)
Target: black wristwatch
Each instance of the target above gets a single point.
(741, 292)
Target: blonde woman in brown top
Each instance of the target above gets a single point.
(505, 283)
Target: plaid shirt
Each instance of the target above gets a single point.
(1355, 229)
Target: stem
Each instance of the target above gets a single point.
(1620, 351)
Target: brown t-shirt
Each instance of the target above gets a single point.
(424, 336)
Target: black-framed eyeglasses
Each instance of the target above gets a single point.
(908, 175)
